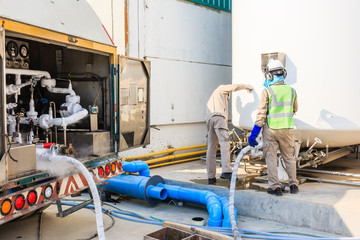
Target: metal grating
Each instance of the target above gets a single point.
(224, 5)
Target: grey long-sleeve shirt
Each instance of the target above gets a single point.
(218, 102)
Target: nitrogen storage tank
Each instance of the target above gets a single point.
(318, 41)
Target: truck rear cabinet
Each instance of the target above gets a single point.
(58, 89)
(57, 94)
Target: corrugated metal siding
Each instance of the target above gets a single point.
(218, 4)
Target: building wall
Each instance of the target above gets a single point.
(111, 14)
(189, 46)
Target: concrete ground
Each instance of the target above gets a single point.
(326, 207)
(82, 224)
(321, 209)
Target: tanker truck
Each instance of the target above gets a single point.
(64, 92)
(317, 42)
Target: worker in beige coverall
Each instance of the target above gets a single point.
(217, 130)
(278, 103)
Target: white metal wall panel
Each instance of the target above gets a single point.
(184, 31)
(111, 14)
(163, 137)
(73, 17)
(180, 90)
(189, 47)
(321, 40)
(134, 40)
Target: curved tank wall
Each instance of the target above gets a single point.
(321, 41)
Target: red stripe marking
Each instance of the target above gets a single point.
(71, 185)
(108, 34)
(83, 179)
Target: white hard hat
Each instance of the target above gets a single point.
(274, 65)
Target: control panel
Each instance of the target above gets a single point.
(17, 54)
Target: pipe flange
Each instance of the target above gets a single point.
(153, 181)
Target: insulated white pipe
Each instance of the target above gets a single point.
(43, 155)
(69, 120)
(46, 121)
(32, 113)
(11, 120)
(62, 90)
(50, 84)
(11, 105)
(14, 88)
(34, 73)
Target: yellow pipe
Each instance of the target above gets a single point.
(149, 154)
(174, 156)
(171, 150)
(191, 147)
(173, 162)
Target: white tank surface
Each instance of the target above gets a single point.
(321, 42)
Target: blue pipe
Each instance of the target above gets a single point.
(137, 166)
(226, 213)
(135, 186)
(202, 197)
(156, 192)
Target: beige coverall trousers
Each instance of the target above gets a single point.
(282, 139)
(217, 132)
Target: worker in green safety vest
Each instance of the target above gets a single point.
(278, 103)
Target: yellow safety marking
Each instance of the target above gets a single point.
(33, 31)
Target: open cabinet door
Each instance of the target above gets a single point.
(3, 130)
(134, 122)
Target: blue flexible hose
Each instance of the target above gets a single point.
(136, 220)
(225, 231)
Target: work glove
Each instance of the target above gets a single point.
(254, 134)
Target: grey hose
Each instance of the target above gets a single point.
(234, 227)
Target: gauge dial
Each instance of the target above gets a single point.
(24, 51)
(12, 49)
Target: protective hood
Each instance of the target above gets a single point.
(275, 79)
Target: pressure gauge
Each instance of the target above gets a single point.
(24, 51)
(12, 49)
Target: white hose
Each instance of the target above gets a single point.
(234, 227)
(43, 155)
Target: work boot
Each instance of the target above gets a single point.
(294, 189)
(276, 192)
(212, 181)
(227, 176)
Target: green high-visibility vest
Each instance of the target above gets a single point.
(280, 107)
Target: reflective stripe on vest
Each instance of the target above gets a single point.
(280, 107)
